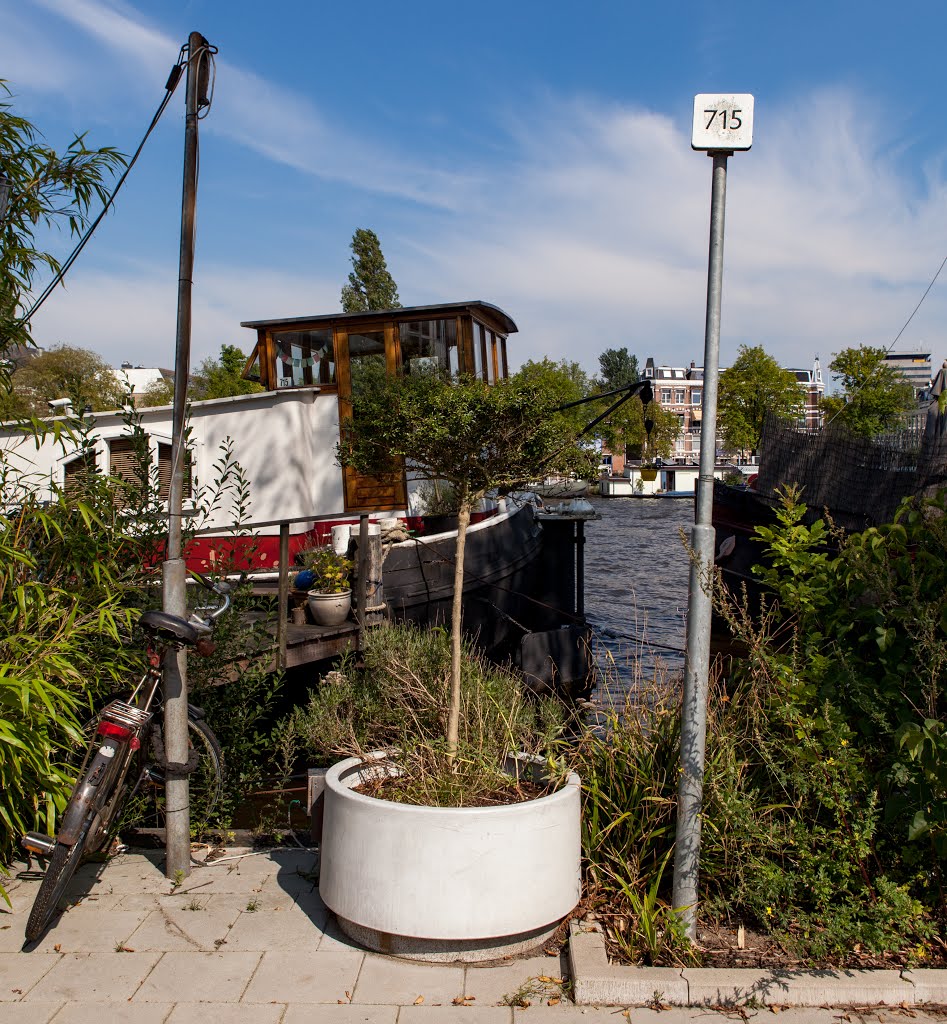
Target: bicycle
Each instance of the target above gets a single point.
(126, 735)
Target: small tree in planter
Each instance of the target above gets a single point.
(475, 436)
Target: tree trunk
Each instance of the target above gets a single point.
(453, 713)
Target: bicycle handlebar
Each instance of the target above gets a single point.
(223, 589)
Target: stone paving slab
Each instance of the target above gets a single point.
(95, 931)
(228, 1013)
(19, 973)
(387, 980)
(319, 977)
(176, 929)
(275, 930)
(455, 1015)
(39, 1013)
(193, 976)
(108, 1013)
(308, 1014)
(535, 978)
(92, 976)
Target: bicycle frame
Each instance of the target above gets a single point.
(118, 733)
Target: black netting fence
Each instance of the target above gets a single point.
(860, 480)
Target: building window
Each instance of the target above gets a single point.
(679, 397)
(304, 358)
(429, 344)
(696, 397)
(130, 458)
(665, 395)
(77, 472)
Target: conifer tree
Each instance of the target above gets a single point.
(370, 285)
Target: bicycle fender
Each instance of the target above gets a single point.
(83, 796)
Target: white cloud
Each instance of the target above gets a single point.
(586, 220)
(133, 316)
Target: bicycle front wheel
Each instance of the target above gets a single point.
(62, 865)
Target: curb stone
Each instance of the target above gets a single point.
(597, 982)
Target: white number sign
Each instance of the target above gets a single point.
(723, 122)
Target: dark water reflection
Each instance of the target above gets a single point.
(636, 573)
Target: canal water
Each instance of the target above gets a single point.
(636, 571)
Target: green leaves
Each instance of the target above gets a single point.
(752, 386)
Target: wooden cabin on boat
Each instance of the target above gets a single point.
(327, 351)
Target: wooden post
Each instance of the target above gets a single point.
(374, 583)
(283, 597)
(361, 581)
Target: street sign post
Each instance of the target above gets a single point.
(722, 125)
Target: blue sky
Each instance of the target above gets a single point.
(534, 155)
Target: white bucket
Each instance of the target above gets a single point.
(340, 538)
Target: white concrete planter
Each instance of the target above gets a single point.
(448, 883)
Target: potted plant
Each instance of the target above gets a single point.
(326, 575)
(452, 882)
(429, 860)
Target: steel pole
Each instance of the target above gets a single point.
(697, 662)
(174, 579)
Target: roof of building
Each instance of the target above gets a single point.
(486, 309)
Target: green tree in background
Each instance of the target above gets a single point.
(617, 368)
(47, 190)
(874, 396)
(214, 378)
(370, 285)
(752, 386)
(222, 377)
(566, 382)
(624, 429)
(62, 372)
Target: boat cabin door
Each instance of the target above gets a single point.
(361, 354)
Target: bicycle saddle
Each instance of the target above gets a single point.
(169, 627)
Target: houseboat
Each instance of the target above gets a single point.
(521, 572)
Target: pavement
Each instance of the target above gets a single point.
(246, 939)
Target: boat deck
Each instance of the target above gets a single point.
(305, 644)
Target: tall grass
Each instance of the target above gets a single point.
(397, 700)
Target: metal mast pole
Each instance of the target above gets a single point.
(177, 795)
(697, 663)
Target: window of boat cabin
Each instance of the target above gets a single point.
(478, 348)
(429, 344)
(78, 472)
(304, 357)
(129, 462)
(490, 356)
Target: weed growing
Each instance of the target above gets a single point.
(826, 777)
